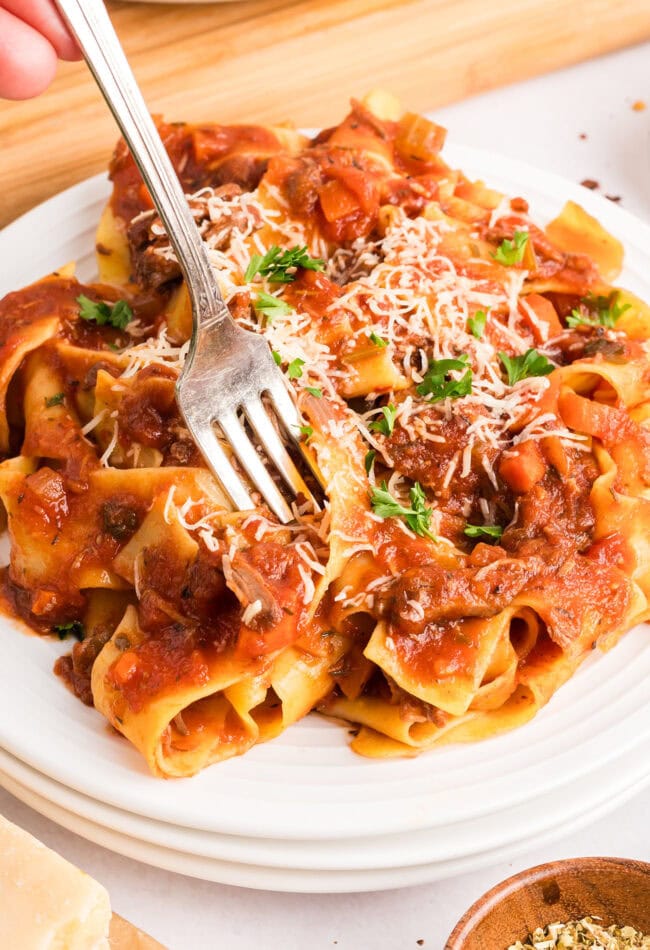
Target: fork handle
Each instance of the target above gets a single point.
(106, 60)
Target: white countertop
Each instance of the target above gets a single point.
(579, 123)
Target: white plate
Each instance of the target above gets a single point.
(286, 877)
(307, 784)
(428, 846)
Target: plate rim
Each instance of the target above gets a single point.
(289, 880)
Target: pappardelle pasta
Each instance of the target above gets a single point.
(475, 394)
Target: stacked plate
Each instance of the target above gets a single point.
(303, 813)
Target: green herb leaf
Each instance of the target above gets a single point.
(369, 461)
(598, 311)
(530, 363)
(307, 431)
(491, 531)
(277, 359)
(271, 306)
(314, 391)
(378, 340)
(386, 425)
(253, 267)
(117, 315)
(54, 400)
(476, 324)
(511, 252)
(74, 628)
(294, 370)
(280, 266)
(437, 385)
(417, 517)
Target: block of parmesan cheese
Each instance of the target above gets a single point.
(46, 903)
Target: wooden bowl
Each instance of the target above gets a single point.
(615, 889)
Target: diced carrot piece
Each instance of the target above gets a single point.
(43, 601)
(555, 454)
(545, 313)
(337, 201)
(125, 667)
(523, 470)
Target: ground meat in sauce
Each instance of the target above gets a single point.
(150, 267)
(120, 520)
(153, 262)
(427, 462)
(452, 594)
(76, 669)
(556, 518)
(552, 522)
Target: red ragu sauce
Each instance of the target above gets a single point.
(209, 618)
(203, 155)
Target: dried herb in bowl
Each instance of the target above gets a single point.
(584, 933)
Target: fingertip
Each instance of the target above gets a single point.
(66, 47)
(27, 59)
(44, 18)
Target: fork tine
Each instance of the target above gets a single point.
(272, 443)
(257, 472)
(220, 465)
(285, 408)
(291, 421)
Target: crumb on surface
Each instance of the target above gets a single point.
(420, 942)
(583, 136)
(614, 198)
(590, 183)
(639, 105)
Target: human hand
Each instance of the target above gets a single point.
(32, 36)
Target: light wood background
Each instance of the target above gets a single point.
(273, 60)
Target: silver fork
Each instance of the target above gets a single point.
(228, 369)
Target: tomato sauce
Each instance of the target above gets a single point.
(203, 155)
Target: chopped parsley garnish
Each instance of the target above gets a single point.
(117, 315)
(598, 311)
(277, 359)
(491, 531)
(530, 363)
(369, 461)
(417, 517)
(476, 324)
(271, 306)
(280, 266)
(306, 431)
(314, 391)
(54, 400)
(74, 628)
(378, 340)
(386, 425)
(294, 370)
(511, 252)
(437, 385)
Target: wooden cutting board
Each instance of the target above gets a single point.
(125, 936)
(272, 60)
